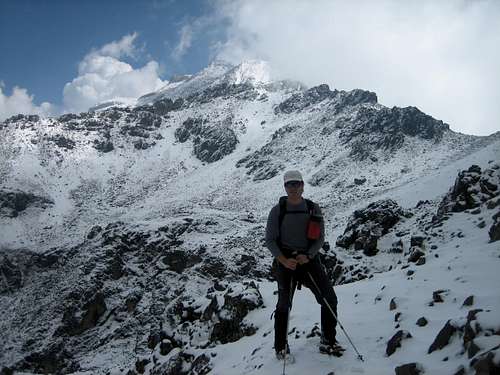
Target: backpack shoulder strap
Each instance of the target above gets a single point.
(282, 204)
(310, 206)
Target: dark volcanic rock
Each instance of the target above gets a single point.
(104, 146)
(12, 202)
(317, 94)
(417, 241)
(211, 142)
(494, 231)
(397, 246)
(472, 188)
(386, 129)
(422, 322)
(469, 301)
(359, 181)
(366, 226)
(11, 275)
(486, 364)
(443, 337)
(163, 106)
(408, 369)
(437, 295)
(76, 319)
(62, 141)
(179, 260)
(415, 254)
(237, 304)
(54, 359)
(395, 341)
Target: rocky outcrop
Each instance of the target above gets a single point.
(238, 302)
(338, 99)
(211, 142)
(123, 283)
(366, 226)
(386, 129)
(472, 188)
(13, 202)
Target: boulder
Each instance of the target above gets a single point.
(417, 241)
(415, 254)
(395, 341)
(443, 337)
(237, 303)
(422, 322)
(408, 369)
(366, 226)
(486, 364)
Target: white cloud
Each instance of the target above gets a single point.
(440, 56)
(124, 47)
(102, 76)
(186, 38)
(21, 102)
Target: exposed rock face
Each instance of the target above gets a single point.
(260, 163)
(11, 275)
(163, 106)
(366, 226)
(237, 304)
(317, 94)
(386, 129)
(13, 202)
(472, 188)
(122, 282)
(211, 142)
(63, 141)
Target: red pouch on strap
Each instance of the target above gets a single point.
(314, 227)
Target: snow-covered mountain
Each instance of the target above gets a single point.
(132, 237)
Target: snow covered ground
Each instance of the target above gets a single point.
(464, 266)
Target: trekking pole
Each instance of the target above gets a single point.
(287, 323)
(360, 357)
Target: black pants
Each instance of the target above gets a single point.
(287, 283)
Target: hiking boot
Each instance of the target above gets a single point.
(331, 348)
(282, 355)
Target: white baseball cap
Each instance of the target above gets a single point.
(292, 176)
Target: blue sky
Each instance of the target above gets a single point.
(440, 56)
(42, 41)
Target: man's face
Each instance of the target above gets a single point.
(294, 189)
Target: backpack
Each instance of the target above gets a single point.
(313, 227)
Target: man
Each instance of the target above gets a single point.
(297, 261)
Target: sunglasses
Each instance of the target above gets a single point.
(293, 184)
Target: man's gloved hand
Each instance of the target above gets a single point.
(289, 263)
(302, 259)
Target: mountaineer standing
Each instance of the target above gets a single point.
(295, 233)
